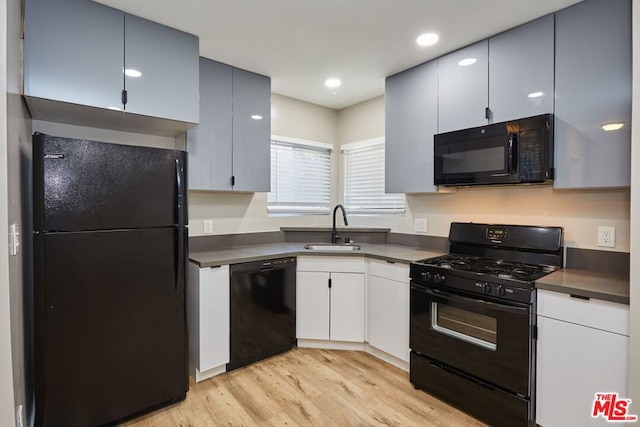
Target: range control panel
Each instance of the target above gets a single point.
(497, 234)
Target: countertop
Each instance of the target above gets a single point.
(587, 283)
(235, 255)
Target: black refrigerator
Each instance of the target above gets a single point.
(110, 242)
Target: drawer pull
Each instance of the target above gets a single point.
(579, 297)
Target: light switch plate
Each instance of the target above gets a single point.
(208, 226)
(420, 225)
(14, 239)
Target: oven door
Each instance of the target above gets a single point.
(488, 340)
(486, 155)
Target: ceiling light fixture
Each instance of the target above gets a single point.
(535, 94)
(132, 73)
(467, 61)
(332, 83)
(427, 39)
(256, 117)
(612, 126)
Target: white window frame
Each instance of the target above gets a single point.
(276, 208)
(395, 203)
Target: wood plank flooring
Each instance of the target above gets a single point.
(309, 387)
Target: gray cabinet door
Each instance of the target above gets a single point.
(73, 52)
(209, 143)
(251, 131)
(521, 71)
(411, 120)
(463, 89)
(168, 61)
(593, 88)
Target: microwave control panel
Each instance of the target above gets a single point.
(531, 153)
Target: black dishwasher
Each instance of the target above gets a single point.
(263, 310)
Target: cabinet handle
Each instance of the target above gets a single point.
(390, 262)
(329, 282)
(233, 180)
(124, 97)
(487, 113)
(579, 297)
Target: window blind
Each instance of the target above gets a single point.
(300, 178)
(364, 180)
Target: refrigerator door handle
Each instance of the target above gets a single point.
(180, 259)
(180, 193)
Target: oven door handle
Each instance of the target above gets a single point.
(507, 307)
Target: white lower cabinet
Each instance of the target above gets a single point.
(330, 298)
(208, 320)
(582, 350)
(389, 308)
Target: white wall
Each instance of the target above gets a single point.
(579, 212)
(634, 354)
(6, 375)
(247, 212)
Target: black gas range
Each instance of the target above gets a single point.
(472, 333)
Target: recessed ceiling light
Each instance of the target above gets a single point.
(132, 73)
(612, 126)
(535, 94)
(256, 117)
(332, 83)
(427, 39)
(467, 61)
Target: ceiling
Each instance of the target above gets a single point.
(301, 43)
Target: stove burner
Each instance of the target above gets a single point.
(492, 267)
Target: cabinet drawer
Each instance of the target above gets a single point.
(389, 270)
(608, 316)
(331, 264)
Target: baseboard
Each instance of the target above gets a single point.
(209, 373)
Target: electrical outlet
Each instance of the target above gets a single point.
(420, 225)
(606, 237)
(208, 226)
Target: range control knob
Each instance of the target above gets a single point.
(426, 276)
(437, 278)
(487, 288)
(502, 291)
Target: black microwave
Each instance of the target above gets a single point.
(513, 152)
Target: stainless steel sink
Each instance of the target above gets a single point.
(329, 247)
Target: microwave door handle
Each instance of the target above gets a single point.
(512, 153)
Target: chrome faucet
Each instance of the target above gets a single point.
(334, 233)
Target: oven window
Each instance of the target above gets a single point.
(465, 325)
(473, 160)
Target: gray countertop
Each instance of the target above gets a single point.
(235, 255)
(587, 283)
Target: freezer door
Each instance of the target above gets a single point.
(110, 327)
(86, 185)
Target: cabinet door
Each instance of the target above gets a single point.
(411, 120)
(593, 88)
(574, 363)
(251, 131)
(312, 305)
(168, 61)
(389, 316)
(73, 52)
(463, 90)
(521, 71)
(347, 307)
(209, 143)
(214, 318)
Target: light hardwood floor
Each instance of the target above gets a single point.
(309, 387)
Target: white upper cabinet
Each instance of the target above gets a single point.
(593, 88)
(463, 92)
(521, 71)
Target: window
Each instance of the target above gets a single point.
(300, 177)
(364, 180)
